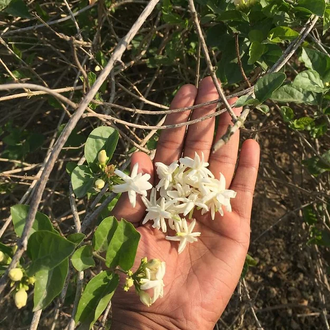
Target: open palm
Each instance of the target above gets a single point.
(200, 281)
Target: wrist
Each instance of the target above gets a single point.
(125, 320)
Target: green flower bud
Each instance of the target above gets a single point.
(128, 283)
(20, 298)
(99, 184)
(153, 264)
(102, 157)
(31, 280)
(243, 3)
(2, 256)
(16, 274)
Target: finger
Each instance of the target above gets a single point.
(245, 179)
(123, 208)
(224, 159)
(170, 144)
(200, 135)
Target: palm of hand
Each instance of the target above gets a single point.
(199, 281)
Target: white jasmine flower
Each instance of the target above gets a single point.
(157, 211)
(136, 183)
(215, 195)
(188, 204)
(154, 274)
(198, 169)
(165, 174)
(184, 234)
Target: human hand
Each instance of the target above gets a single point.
(200, 281)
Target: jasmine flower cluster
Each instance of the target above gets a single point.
(183, 186)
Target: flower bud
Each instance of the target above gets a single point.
(31, 280)
(16, 274)
(99, 184)
(128, 283)
(20, 298)
(153, 264)
(102, 157)
(243, 3)
(145, 298)
(2, 256)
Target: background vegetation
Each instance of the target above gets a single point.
(62, 47)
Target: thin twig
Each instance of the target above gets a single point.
(240, 61)
(35, 320)
(208, 61)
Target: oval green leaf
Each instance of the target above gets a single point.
(101, 138)
(122, 246)
(20, 212)
(83, 258)
(82, 180)
(47, 250)
(95, 298)
(49, 284)
(104, 233)
(266, 85)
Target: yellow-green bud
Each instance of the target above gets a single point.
(16, 274)
(153, 264)
(31, 280)
(20, 298)
(2, 256)
(102, 157)
(145, 298)
(129, 282)
(99, 184)
(241, 4)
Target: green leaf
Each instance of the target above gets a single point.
(309, 80)
(232, 15)
(263, 108)
(317, 165)
(256, 35)
(282, 33)
(256, 51)
(4, 4)
(76, 238)
(82, 180)
(6, 249)
(213, 34)
(309, 215)
(70, 166)
(104, 233)
(101, 138)
(20, 212)
(83, 258)
(246, 100)
(325, 238)
(49, 284)
(289, 93)
(18, 8)
(287, 114)
(326, 20)
(266, 85)
(96, 297)
(315, 60)
(47, 250)
(316, 7)
(122, 246)
(302, 123)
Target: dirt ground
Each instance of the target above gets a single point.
(288, 288)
